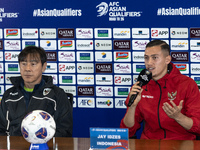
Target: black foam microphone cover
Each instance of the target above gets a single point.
(144, 77)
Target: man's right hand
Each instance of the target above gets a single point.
(135, 88)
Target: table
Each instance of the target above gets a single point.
(60, 143)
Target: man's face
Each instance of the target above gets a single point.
(156, 61)
(31, 70)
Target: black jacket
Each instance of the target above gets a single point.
(49, 98)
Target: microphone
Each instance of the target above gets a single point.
(144, 77)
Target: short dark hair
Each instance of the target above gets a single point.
(34, 52)
(164, 46)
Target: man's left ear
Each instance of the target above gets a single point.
(44, 66)
(168, 59)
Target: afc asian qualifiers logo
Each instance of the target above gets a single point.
(172, 95)
(103, 9)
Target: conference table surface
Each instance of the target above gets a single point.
(59, 143)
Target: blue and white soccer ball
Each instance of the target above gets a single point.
(38, 127)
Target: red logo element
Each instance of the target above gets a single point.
(118, 79)
(154, 33)
(61, 67)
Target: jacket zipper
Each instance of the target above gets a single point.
(158, 110)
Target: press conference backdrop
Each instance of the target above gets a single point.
(95, 48)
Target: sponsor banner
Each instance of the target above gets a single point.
(135, 77)
(1, 33)
(51, 68)
(51, 56)
(138, 56)
(8, 86)
(12, 67)
(183, 68)
(104, 79)
(7, 78)
(194, 32)
(11, 33)
(67, 68)
(103, 45)
(29, 33)
(122, 44)
(66, 33)
(12, 44)
(1, 67)
(139, 44)
(196, 79)
(26, 43)
(194, 44)
(84, 44)
(1, 79)
(195, 68)
(121, 33)
(104, 102)
(140, 33)
(138, 67)
(104, 91)
(67, 79)
(86, 102)
(103, 56)
(103, 33)
(195, 56)
(66, 56)
(84, 33)
(122, 68)
(1, 44)
(120, 103)
(103, 68)
(85, 56)
(122, 80)
(85, 68)
(179, 32)
(159, 33)
(179, 44)
(180, 56)
(54, 77)
(85, 90)
(85, 79)
(74, 102)
(69, 89)
(122, 56)
(1, 89)
(122, 91)
(1, 56)
(11, 56)
(48, 33)
(66, 45)
(48, 44)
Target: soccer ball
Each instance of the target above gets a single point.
(38, 127)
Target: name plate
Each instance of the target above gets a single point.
(109, 138)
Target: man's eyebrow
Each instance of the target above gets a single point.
(151, 55)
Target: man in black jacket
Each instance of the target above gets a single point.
(34, 91)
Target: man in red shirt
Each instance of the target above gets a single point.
(169, 104)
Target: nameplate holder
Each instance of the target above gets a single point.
(109, 138)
